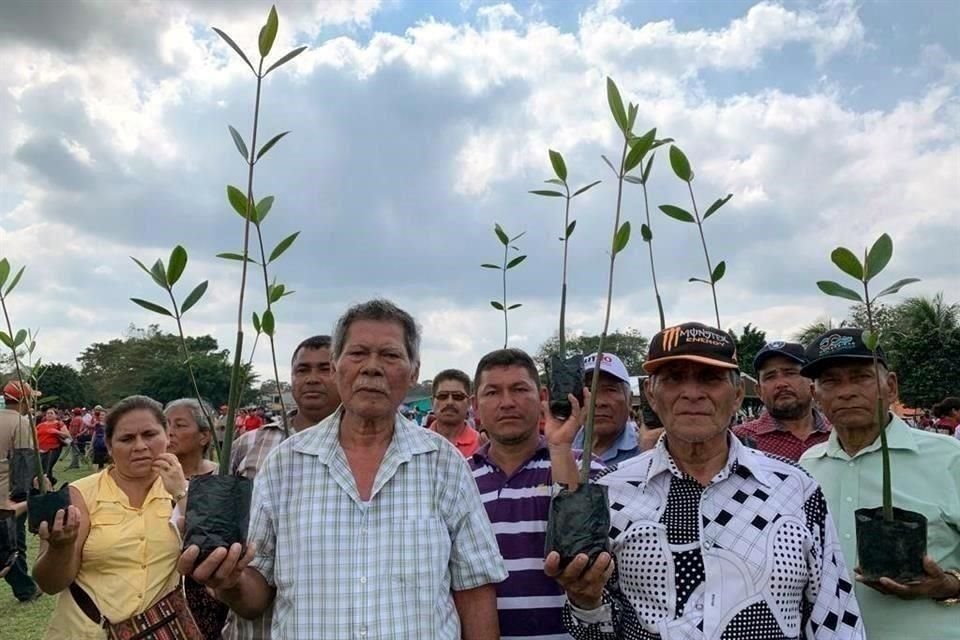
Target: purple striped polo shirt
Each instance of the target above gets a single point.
(529, 603)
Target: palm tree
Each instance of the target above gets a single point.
(929, 314)
(818, 327)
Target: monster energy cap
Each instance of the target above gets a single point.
(692, 341)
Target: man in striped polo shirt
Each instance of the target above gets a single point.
(514, 475)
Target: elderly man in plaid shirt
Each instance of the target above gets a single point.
(366, 526)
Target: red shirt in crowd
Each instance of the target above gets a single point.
(48, 437)
(768, 435)
(252, 422)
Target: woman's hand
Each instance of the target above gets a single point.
(63, 533)
(171, 473)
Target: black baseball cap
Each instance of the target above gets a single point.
(838, 345)
(789, 350)
(692, 341)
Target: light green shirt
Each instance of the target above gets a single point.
(925, 468)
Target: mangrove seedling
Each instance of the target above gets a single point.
(565, 374)
(218, 506)
(42, 505)
(508, 263)
(891, 542)
(681, 167)
(166, 278)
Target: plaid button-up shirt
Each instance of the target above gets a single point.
(380, 569)
(767, 434)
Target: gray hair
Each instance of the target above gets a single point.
(378, 310)
(195, 411)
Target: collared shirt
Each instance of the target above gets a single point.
(768, 434)
(626, 445)
(926, 478)
(468, 439)
(753, 555)
(529, 603)
(377, 569)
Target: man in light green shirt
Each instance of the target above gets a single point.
(925, 468)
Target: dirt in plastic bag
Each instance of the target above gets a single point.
(8, 538)
(891, 549)
(566, 377)
(218, 512)
(579, 522)
(43, 507)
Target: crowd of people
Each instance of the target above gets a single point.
(366, 524)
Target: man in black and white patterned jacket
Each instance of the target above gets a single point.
(709, 539)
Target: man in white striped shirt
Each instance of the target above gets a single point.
(514, 475)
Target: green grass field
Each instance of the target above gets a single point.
(28, 621)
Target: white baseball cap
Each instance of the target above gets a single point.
(608, 364)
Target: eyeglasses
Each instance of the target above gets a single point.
(447, 395)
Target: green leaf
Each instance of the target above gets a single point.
(241, 145)
(268, 33)
(496, 305)
(870, 339)
(555, 181)
(640, 147)
(20, 338)
(514, 306)
(233, 45)
(269, 145)
(896, 286)
(559, 166)
(646, 170)
(610, 164)
(631, 115)
(645, 233)
(194, 297)
(680, 164)
(256, 322)
(848, 263)
(150, 306)
(276, 292)
(516, 261)
(285, 59)
(7, 340)
(633, 179)
(517, 237)
(719, 202)
(178, 262)
(582, 189)
(622, 238)
(282, 246)
(150, 273)
(838, 291)
(4, 271)
(879, 257)
(490, 266)
(616, 105)
(501, 234)
(267, 323)
(238, 200)
(698, 280)
(547, 192)
(263, 208)
(718, 271)
(14, 282)
(235, 256)
(159, 273)
(571, 227)
(677, 213)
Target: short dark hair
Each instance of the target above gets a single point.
(450, 374)
(508, 358)
(943, 408)
(313, 342)
(129, 404)
(378, 310)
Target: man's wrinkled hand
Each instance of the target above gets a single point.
(583, 584)
(936, 584)
(562, 433)
(220, 570)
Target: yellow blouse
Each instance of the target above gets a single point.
(129, 558)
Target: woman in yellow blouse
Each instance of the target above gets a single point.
(116, 540)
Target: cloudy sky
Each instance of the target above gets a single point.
(416, 125)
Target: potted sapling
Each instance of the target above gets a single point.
(681, 167)
(579, 519)
(42, 504)
(218, 506)
(564, 373)
(507, 264)
(891, 542)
